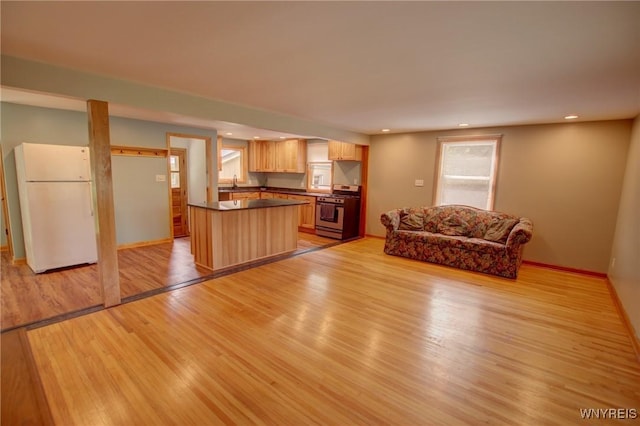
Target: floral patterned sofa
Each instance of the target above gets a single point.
(459, 236)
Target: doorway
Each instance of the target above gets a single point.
(5, 238)
(178, 170)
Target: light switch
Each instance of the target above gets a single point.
(161, 178)
(419, 182)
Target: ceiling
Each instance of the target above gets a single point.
(359, 66)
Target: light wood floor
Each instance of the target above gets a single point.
(346, 335)
(26, 297)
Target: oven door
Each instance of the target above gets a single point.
(329, 215)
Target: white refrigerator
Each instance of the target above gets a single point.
(54, 186)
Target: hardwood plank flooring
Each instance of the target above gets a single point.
(26, 297)
(22, 397)
(346, 335)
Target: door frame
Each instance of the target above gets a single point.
(183, 170)
(5, 207)
(210, 164)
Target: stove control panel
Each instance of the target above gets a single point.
(332, 200)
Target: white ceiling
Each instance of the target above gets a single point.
(359, 66)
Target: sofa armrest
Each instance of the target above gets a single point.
(391, 220)
(521, 233)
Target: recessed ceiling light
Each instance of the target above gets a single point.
(228, 133)
(256, 137)
(282, 137)
(386, 130)
(463, 124)
(570, 117)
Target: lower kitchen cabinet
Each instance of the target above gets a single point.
(265, 195)
(245, 195)
(240, 195)
(306, 212)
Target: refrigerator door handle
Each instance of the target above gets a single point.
(90, 198)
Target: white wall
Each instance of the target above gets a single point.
(40, 77)
(566, 178)
(624, 273)
(317, 150)
(141, 203)
(196, 166)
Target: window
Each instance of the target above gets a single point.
(319, 176)
(467, 169)
(174, 163)
(233, 161)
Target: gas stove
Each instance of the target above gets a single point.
(339, 190)
(338, 214)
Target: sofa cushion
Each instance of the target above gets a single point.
(499, 228)
(411, 221)
(454, 225)
(431, 220)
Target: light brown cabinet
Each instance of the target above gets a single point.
(265, 195)
(239, 195)
(245, 195)
(261, 156)
(344, 151)
(291, 156)
(306, 212)
(288, 156)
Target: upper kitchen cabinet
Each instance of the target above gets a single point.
(261, 156)
(344, 151)
(288, 156)
(291, 156)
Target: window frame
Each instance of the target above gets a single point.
(310, 187)
(476, 139)
(243, 160)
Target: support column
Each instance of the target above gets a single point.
(100, 148)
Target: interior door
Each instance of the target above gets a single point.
(178, 168)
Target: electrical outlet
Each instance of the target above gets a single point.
(613, 262)
(161, 178)
(419, 182)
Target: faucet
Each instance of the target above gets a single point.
(235, 182)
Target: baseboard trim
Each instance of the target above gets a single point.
(374, 236)
(144, 243)
(4, 248)
(307, 230)
(635, 342)
(19, 261)
(565, 269)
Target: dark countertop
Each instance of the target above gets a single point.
(270, 189)
(247, 204)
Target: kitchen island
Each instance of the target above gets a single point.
(225, 234)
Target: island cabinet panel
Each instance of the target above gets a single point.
(344, 151)
(201, 238)
(253, 234)
(226, 234)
